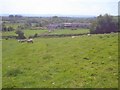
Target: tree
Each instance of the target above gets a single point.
(10, 28)
(20, 34)
(104, 24)
(20, 27)
(11, 16)
(18, 16)
(4, 28)
(55, 17)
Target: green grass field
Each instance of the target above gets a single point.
(33, 32)
(26, 32)
(15, 25)
(80, 62)
(69, 31)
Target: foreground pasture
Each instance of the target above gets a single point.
(84, 62)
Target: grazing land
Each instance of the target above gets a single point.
(79, 62)
(26, 32)
(59, 31)
(69, 31)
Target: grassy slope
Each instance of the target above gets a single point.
(62, 62)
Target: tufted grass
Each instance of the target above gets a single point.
(80, 62)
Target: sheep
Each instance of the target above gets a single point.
(30, 41)
(73, 36)
(89, 34)
(22, 40)
(25, 40)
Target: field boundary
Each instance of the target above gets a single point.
(60, 35)
(47, 35)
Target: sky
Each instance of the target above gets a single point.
(59, 7)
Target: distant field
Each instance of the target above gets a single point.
(15, 25)
(9, 33)
(69, 31)
(26, 32)
(32, 32)
(80, 62)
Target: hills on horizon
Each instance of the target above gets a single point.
(50, 15)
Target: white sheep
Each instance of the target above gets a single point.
(30, 41)
(89, 34)
(73, 36)
(22, 40)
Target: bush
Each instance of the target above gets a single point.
(20, 34)
(35, 35)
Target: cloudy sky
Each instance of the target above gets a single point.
(61, 7)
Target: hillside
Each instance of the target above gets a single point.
(81, 62)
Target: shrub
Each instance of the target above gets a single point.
(20, 34)
(35, 35)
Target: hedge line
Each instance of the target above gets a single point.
(48, 35)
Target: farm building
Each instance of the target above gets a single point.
(76, 25)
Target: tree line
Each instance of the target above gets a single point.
(42, 21)
(100, 24)
(5, 28)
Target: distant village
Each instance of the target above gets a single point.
(11, 22)
(72, 26)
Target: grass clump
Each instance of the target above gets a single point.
(13, 72)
